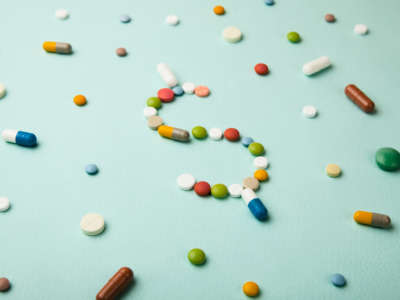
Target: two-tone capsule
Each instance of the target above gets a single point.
(116, 285)
(316, 65)
(372, 219)
(18, 137)
(167, 75)
(57, 47)
(176, 134)
(359, 98)
(254, 204)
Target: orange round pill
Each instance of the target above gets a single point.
(201, 91)
(251, 289)
(219, 10)
(80, 100)
(261, 175)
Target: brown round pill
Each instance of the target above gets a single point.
(116, 285)
(121, 52)
(330, 18)
(359, 98)
(4, 284)
(154, 122)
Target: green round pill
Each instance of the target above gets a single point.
(199, 132)
(219, 190)
(197, 256)
(388, 159)
(154, 102)
(293, 36)
(256, 149)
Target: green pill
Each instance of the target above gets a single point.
(219, 190)
(197, 256)
(256, 149)
(154, 102)
(199, 132)
(388, 159)
(293, 36)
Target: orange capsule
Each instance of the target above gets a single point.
(372, 219)
(174, 133)
(57, 47)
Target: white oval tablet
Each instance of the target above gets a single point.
(62, 14)
(316, 65)
(360, 29)
(235, 190)
(2, 90)
(4, 203)
(188, 87)
(149, 111)
(232, 34)
(92, 224)
(172, 20)
(309, 111)
(215, 134)
(260, 162)
(186, 181)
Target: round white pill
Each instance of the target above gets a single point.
(92, 224)
(188, 87)
(186, 181)
(2, 90)
(172, 20)
(62, 14)
(232, 34)
(235, 190)
(360, 29)
(260, 162)
(149, 111)
(215, 134)
(4, 203)
(309, 111)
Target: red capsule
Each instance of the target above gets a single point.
(359, 98)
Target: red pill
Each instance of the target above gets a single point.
(202, 188)
(261, 69)
(232, 134)
(116, 285)
(166, 95)
(359, 98)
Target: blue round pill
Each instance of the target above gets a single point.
(125, 18)
(178, 91)
(246, 141)
(269, 2)
(91, 169)
(338, 280)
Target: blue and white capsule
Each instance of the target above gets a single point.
(255, 205)
(18, 137)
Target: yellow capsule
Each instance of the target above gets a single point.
(57, 47)
(174, 133)
(372, 219)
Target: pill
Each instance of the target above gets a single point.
(202, 188)
(338, 280)
(4, 284)
(80, 100)
(154, 122)
(293, 37)
(154, 102)
(178, 91)
(201, 91)
(197, 256)
(219, 10)
(316, 65)
(250, 289)
(360, 29)
(232, 134)
(269, 2)
(232, 34)
(92, 224)
(57, 47)
(215, 134)
(4, 203)
(125, 18)
(166, 74)
(176, 134)
(188, 87)
(62, 14)
(172, 20)
(261, 175)
(235, 190)
(256, 149)
(254, 204)
(333, 170)
(251, 183)
(116, 285)
(246, 141)
(388, 159)
(149, 111)
(186, 181)
(199, 132)
(219, 191)
(3, 90)
(309, 111)
(372, 219)
(91, 169)
(21, 138)
(165, 95)
(330, 18)
(359, 98)
(121, 52)
(260, 162)
(261, 69)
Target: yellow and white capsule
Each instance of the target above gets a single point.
(372, 219)
(176, 134)
(57, 47)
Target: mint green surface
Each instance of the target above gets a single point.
(150, 222)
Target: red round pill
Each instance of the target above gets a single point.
(261, 69)
(202, 188)
(165, 95)
(232, 134)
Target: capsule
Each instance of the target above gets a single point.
(21, 138)
(255, 205)
(116, 285)
(167, 75)
(316, 65)
(176, 134)
(372, 219)
(57, 47)
(359, 98)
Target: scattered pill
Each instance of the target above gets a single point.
(232, 34)
(330, 18)
(215, 134)
(219, 191)
(260, 162)
(188, 87)
(333, 170)
(176, 134)
(172, 20)
(251, 289)
(359, 98)
(80, 100)
(57, 47)
(309, 111)
(154, 102)
(4, 284)
(388, 159)
(338, 280)
(197, 256)
(256, 149)
(269, 2)
(149, 111)
(246, 141)
(165, 95)
(254, 204)
(360, 29)
(18, 137)
(293, 37)
(235, 190)
(125, 18)
(4, 204)
(202, 188)
(261, 175)
(178, 91)
(251, 183)
(3, 90)
(92, 224)
(232, 134)
(199, 132)
(62, 14)
(116, 285)
(154, 122)
(186, 181)
(261, 69)
(201, 91)
(166, 74)
(121, 52)
(372, 219)
(91, 169)
(219, 10)
(316, 65)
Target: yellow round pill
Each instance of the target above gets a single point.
(333, 170)
(261, 175)
(219, 10)
(80, 100)
(251, 289)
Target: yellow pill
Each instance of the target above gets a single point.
(57, 47)
(372, 219)
(80, 100)
(261, 175)
(176, 134)
(251, 289)
(333, 170)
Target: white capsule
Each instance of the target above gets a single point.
(316, 65)
(167, 75)
(9, 135)
(248, 195)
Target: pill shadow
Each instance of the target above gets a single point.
(128, 291)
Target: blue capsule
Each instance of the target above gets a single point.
(21, 138)
(178, 91)
(246, 141)
(254, 204)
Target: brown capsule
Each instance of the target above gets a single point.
(359, 98)
(116, 285)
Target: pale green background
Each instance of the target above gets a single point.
(151, 224)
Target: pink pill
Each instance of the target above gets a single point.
(166, 95)
(201, 91)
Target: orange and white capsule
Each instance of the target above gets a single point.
(57, 47)
(176, 134)
(372, 219)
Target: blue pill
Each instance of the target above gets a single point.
(178, 91)
(91, 169)
(269, 2)
(258, 209)
(125, 18)
(21, 138)
(338, 280)
(246, 141)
